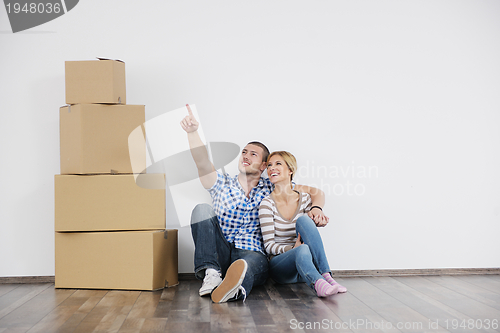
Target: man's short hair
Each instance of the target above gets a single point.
(264, 148)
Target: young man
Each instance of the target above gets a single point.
(228, 241)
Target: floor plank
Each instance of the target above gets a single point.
(438, 313)
(31, 312)
(119, 304)
(353, 313)
(146, 304)
(467, 306)
(7, 288)
(179, 312)
(19, 295)
(154, 325)
(285, 291)
(473, 291)
(277, 307)
(395, 313)
(165, 303)
(109, 313)
(177, 327)
(312, 313)
(241, 316)
(490, 282)
(199, 307)
(90, 299)
(58, 318)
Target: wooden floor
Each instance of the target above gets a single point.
(372, 304)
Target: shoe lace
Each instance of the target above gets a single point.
(244, 292)
(210, 277)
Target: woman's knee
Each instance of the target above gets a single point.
(303, 251)
(304, 222)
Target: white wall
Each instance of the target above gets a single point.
(408, 90)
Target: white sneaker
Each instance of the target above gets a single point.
(210, 282)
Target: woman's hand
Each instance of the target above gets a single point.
(298, 242)
(319, 218)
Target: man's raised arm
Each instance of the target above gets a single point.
(318, 200)
(206, 170)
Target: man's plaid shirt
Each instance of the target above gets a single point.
(239, 215)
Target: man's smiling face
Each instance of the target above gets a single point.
(251, 160)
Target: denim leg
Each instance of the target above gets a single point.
(293, 266)
(258, 267)
(211, 247)
(310, 236)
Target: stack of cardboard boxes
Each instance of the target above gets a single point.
(110, 232)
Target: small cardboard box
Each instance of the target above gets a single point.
(94, 138)
(140, 260)
(95, 81)
(109, 202)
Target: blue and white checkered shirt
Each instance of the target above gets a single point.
(239, 215)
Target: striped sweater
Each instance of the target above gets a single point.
(279, 234)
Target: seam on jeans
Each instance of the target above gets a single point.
(217, 225)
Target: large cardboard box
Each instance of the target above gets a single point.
(95, 81)
(109, 202)
(94, 138)
(140, 260)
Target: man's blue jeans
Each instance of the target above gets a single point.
(212, 250)
(305, 263)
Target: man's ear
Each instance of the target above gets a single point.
(263, 166)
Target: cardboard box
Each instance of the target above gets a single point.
(94, 138)
(95, 81)
(140, 260)
(108, 202)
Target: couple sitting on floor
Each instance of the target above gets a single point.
(253, 216)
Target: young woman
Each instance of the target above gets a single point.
(291, 238)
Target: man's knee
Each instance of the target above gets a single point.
(201, 213)
(256, 261)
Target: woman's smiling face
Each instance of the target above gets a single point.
(277, 170)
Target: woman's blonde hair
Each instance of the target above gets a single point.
(289, 159)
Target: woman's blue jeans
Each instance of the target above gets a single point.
(212, 250)
(305, 263)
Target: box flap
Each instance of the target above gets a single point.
(101, 58)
